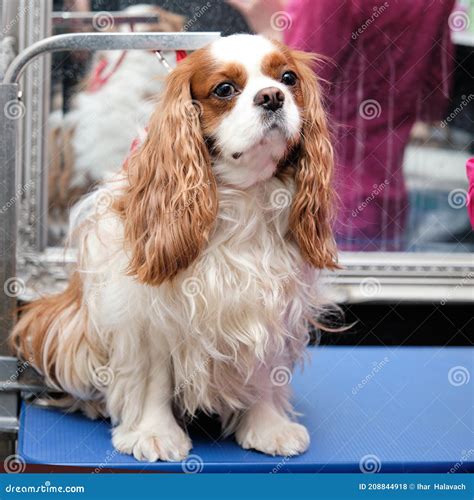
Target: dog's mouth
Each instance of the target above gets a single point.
(274, 137)
(275, 121)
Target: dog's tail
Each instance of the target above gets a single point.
(52, 336)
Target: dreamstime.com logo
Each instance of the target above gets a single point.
(465, 456)
(376, 367)
(193, 464)
(280, 198)
(370, 287)
(13, 287)
(281, 21)
(377, 12)
(370, 464)
(458, 376)
(466, 100)
(280, 376)
(14, 110)
(199, 12)
(378, 189)
(192, 287)
(20, 191)
(103, 376)
(103, 21)
(458, 198)
(459, 21)
(46, 487)
(19, 15)
(14, 464)
(370, 109)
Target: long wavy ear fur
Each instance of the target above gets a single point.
(311, 212)
(171, 202)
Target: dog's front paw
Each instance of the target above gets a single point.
(284, 438)
(170, 445)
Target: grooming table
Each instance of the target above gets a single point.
(369, 409)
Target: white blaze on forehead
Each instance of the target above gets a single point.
(248, 50)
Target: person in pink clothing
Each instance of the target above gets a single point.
(470, 194)
(389, 65)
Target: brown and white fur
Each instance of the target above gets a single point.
(198, 265)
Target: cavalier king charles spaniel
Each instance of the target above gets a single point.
(198, 263)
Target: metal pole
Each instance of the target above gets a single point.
(108, 41)
(11, 110)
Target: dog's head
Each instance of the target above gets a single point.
(236, 113)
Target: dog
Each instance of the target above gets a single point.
(198, 263)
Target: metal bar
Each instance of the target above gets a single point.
(112, 18)
(11, 110)
(35, 25)
(108, 41)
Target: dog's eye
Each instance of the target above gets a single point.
(289, 78)
(224, 90)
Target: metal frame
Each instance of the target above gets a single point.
(107, 41)
(72, 19)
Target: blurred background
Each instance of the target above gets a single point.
(398, 81)
(399, 87)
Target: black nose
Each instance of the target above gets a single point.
(270, 98)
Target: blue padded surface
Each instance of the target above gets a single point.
(398, 409)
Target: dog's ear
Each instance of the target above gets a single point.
(170, 205)
(311, 211)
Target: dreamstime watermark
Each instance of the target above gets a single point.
(459, 21)
(182, 385)
(14, 109)
(279, 465)
(280, 376)
(194, 108)
(193, 464)
(465, 281)
(192, 287)
(46, 487)
(281, 21)
(269, 297)
(104, 200)
(13, 22)
(465, 456)
(378, 189)
(14, 377)
(377, 12)
(370, 464)
(14, 464)
(376, 367)
(103, 21)
(199, 12)
(458, 198)
(181, 211)
(466, 100)
(370, 287)
(103, 376)
(109, 456)
(20, 191)
(458, 376)
(280, 198)
(14, 286)
(370, 109)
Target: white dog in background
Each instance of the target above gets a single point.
(92, 140)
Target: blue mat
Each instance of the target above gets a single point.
(407, 409)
